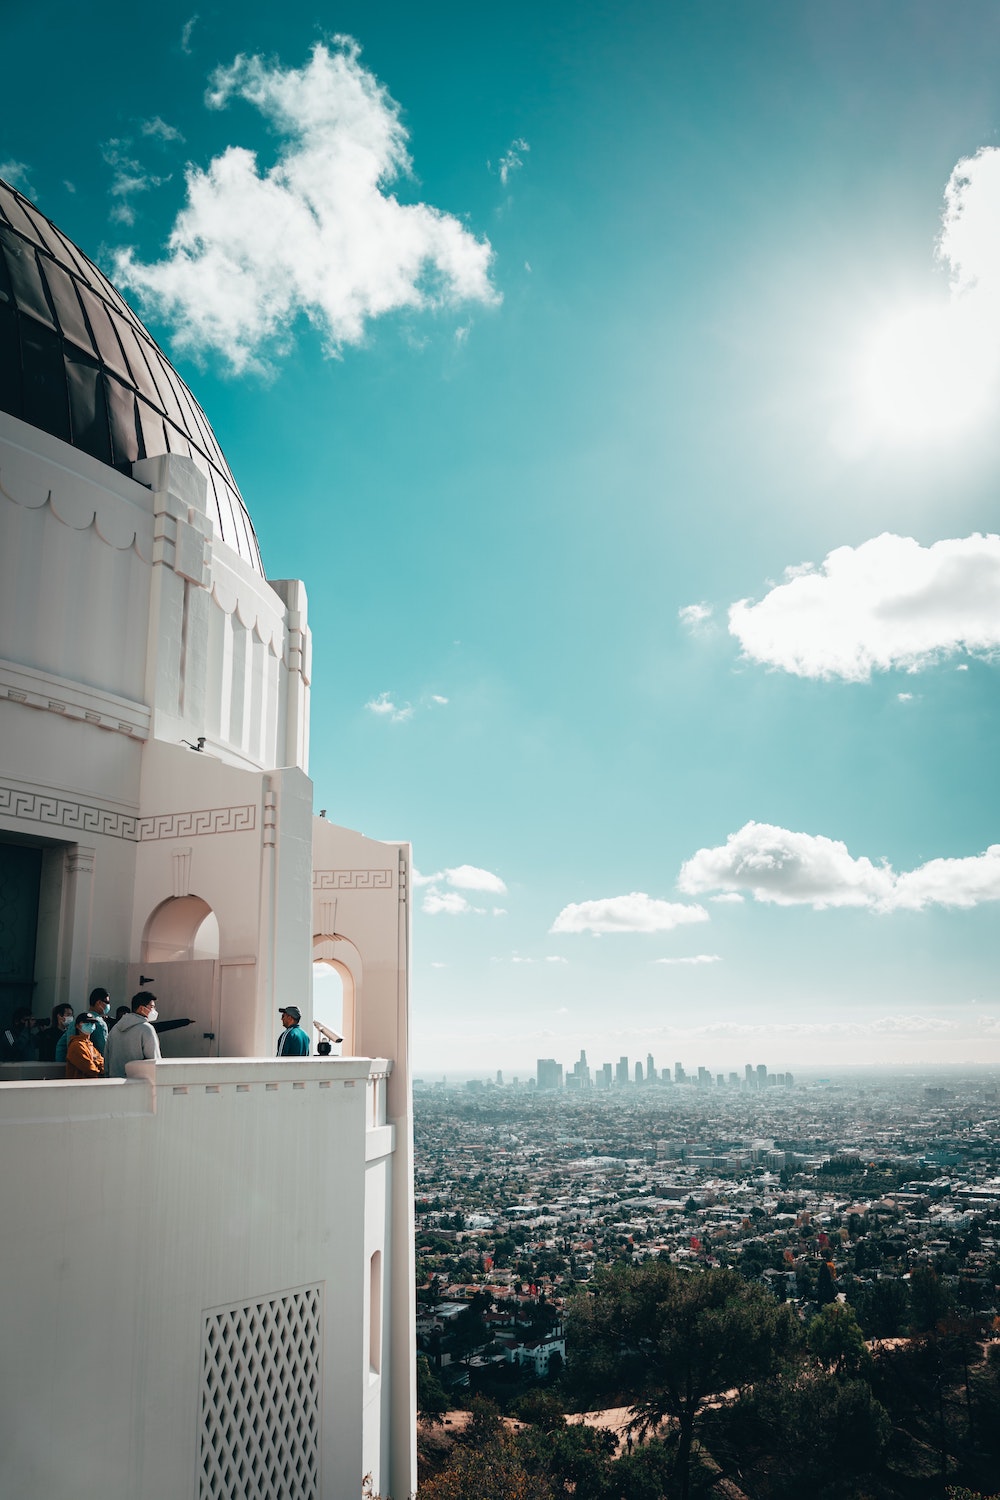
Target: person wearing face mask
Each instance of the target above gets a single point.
(56, 1035)
(82, 1058)
(99, 1006)
(134, 1037)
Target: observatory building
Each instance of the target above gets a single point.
(207, 1265)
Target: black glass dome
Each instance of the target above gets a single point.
(76, 362)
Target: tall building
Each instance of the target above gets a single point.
(638, 1072)
(213, 1254)
(549, 1073)
(621, 1071)
(581, 1071)
(650, 1069)
(679, 1073)
(762, 1075)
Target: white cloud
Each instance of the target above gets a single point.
(384, 708)
(471, 878)
(636, 912)
(449, 902)
(17, 174)
(789, 869)
(555, 958)
(160, 130)
(437, 698)
(317, 234)
(727, 898)
(186, 31)
(695, 617)
(696, 958)
(459, 878)
(438, 965)
(887, 603)
(802, 869)
(930, 368)
(950, 882)
(129, 177)
(904, 697)
(512, 159)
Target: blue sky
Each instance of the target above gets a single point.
(670, 302)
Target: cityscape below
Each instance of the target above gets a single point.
(551, 1076)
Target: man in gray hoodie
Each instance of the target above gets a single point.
(133, 1038)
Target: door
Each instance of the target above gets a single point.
(183, 987)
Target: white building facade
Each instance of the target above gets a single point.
(211, 1262)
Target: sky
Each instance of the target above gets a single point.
(622, 381)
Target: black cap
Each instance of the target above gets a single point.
(291, 1010)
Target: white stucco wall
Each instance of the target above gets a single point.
(197, 1186)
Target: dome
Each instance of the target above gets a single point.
(76, 362)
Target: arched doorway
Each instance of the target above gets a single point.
(336, 981)
(184, 927)
(180, 953)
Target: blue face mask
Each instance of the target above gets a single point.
(87, 1027)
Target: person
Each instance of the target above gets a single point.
(122, 1010)
(82, 1057)
(56, 1035)
(19, 1040)
(293, 1041)
(133, 1038)
(99, 1006)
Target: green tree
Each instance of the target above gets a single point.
(666, 1342)
(826, 1290)
(882, 1308)
(930, 1300)
(835, 1339)
(432, 1398)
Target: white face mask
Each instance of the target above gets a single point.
(152, 1014)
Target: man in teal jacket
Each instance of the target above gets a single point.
(293, 1041)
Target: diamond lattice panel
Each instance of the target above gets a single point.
(260, 1399)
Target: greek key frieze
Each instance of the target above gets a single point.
(64, 812)
(181, 825)
(352, 880)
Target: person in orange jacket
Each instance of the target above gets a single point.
(83, 1060)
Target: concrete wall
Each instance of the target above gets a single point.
(192, 1187)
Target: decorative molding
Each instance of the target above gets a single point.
(270, 819)
(179, 825)
(55, 811)
(73, 700)
(80, 859)
(32, 480)
(352, 880)
(182, 871)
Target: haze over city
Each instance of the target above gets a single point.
(636, 442)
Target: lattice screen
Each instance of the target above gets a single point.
(260, 1399)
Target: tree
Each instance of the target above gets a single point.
(826, 1290)
(487, 1464)
(930, 1300)
(432, 1398)
(666, 1342)
(882, 1307)
(836, 1340)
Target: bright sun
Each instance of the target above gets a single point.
(927, 372)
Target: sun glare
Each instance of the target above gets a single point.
(927, 373)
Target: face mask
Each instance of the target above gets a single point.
(65, 1021)
(153, 1014)
(87, 1027)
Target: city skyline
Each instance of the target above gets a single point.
(628, 389)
